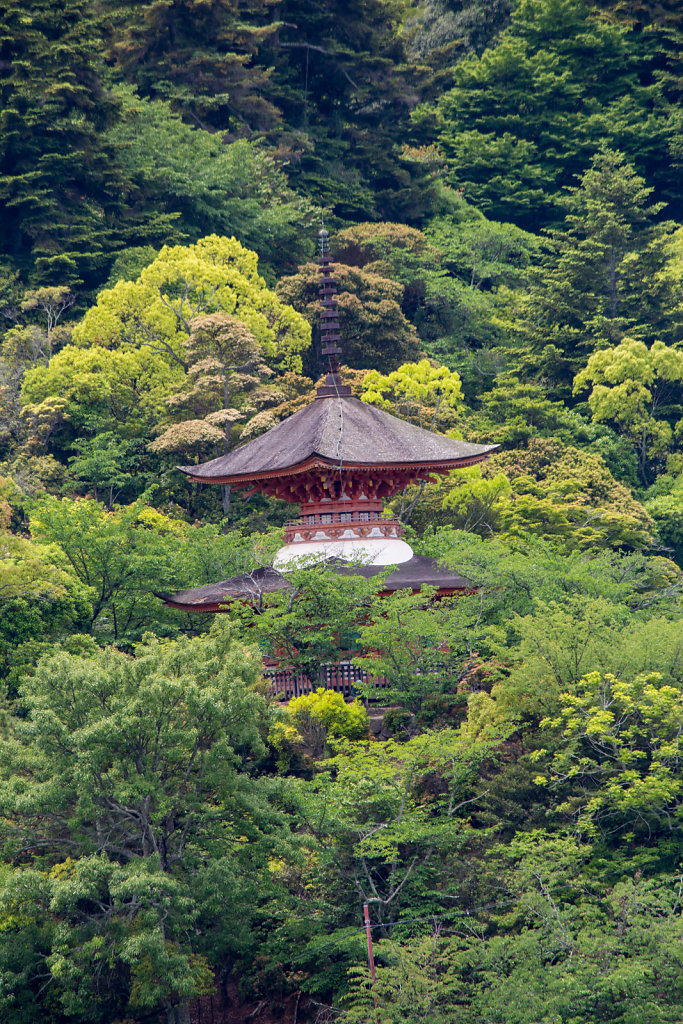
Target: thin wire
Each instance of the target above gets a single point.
(340, 457)
(341, 429)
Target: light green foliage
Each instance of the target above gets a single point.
(316, 623)
(310, 719)
(561, 493)
(130, 352)
(406, 988)
(224, 386)
(664, 502)
(204, 185)
(673, 268)
(550, 650)
(104, 464)
(421, 392)
(482, 253)
(215, 274)
(41, 601)
(123, 555)
(380, 812)
(473, 501)
(36, 571)
(123, 390)
(518, 573)
(576, 502)
(421, 649)
(667, 513)
(114, 554)
(183, 702)
(622, 743)
(339, 718)
(471, 288)
(137, 766)
(640, 391)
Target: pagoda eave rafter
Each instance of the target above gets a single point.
(415, 471)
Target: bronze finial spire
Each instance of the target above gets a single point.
(329, 322)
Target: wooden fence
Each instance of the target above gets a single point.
(341, 676)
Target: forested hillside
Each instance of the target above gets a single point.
(502, 184)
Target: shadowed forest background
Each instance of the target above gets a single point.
(501, 180)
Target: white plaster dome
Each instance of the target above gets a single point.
(367, 550)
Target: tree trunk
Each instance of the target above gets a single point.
(179, 1014)
(225, 498)
(613, 282)
(642, 457)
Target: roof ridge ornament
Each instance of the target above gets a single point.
(330, 335)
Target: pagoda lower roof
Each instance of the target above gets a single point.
(251, 586)
(342, 432)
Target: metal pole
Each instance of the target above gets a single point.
(371, 956)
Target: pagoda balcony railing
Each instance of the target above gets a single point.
(327, 518)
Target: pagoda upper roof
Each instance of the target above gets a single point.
(341, 431)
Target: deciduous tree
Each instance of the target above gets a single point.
(376, 333)
(639, 390)
(214, 275)
(129, 779)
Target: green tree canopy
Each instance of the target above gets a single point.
(61, 183)
(198, 56)
(215, 274)
(607, 273)
(522, 121)
(130, 779)
(376, 333)
(196, 183)
(639, 390)
(344, 65)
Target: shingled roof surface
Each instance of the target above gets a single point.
(339, 430)
(418, 572)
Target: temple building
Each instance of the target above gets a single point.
(340, 459)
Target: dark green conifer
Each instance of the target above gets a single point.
(59, 183)
(524, 119)
(199, 56)
(602, 279)
(342, 80)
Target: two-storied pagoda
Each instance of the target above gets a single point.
(341, 459)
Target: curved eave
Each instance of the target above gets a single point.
(320, 462)
(198, 609)
(211, 605)
(216, 608)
